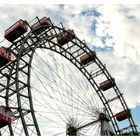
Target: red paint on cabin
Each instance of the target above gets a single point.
(85, 59)
(107, 84)
(65, 37)
(5, 116)
(5, 56)
(123, 115)
(16, 30)
(40, 23)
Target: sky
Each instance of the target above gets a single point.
(112, 30)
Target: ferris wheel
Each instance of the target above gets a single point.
(51, 83)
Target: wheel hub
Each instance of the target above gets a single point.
(71, 131)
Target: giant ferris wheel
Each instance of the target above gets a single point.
(51, 83)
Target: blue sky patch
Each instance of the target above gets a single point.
(91, 12)
(93, 27)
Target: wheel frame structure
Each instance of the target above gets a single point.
(26, 46)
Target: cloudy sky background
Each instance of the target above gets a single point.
(113, 31)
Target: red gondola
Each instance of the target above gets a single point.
(40, 23)
(123, 115)
(5, 56)
(87, 58)
(16, 30)
(65, 37)
(5, 116)
(107, 84)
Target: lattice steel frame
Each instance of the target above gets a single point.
(25, 48)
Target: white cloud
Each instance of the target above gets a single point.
(118, 21)
(124, 27)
